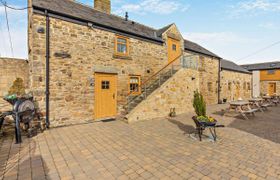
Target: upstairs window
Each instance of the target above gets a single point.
(135, 85)
(229, 86)
(121, 46)
(271, 72)
(244, 85)
(174, 47)
(249, 86)
(210, 86)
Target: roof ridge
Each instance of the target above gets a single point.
(115, 15)
(261, 63)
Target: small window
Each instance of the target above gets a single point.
(229, 86)
(174, 47)
(210, 87)
(121, 45)
(271, 72)
(105, 84)
(134, 85)
(249, 86)
(244, 85)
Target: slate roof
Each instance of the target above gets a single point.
(191, 46)
(231, 66)
(262, 66)
(76, 10)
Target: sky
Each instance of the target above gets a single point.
(243, 31)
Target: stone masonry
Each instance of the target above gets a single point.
(10, 70)
(230, 81)
(265, 84)
(208, 68)
(71, 92)
(176, 93)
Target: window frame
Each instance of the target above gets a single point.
(117, 43)
(271, 72)
(139, 85)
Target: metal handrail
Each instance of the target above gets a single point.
(144, 84)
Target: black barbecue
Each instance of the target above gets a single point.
(24, 113)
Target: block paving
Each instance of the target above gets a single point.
(156, 149)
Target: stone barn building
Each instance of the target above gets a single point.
(236, 82)
(88, 64)
(266, 78)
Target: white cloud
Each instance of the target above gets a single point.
(254, 7)
(153, 6)
(270, 26)
(217, 37)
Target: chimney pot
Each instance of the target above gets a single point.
(103, 6)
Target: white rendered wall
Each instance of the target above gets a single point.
(256, 84)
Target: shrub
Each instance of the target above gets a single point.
(199, 104)
(17, 88)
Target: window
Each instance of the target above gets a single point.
(121, 45)
(134, 85)
(244, 86)
(249, 86)
(105, 84)
(210, 88)
(229, 86)
(174, 47)
(271, 72)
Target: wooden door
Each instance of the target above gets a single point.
(271, 89)
(105, 96)
(174, 49)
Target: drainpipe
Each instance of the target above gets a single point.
(219, 82)
(47, 69)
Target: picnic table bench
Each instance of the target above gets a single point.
(242, 107)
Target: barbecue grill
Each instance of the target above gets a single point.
(24, 112)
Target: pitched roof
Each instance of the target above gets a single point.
(191, 46)
(231, 66)
(262, 66)
(79, 11)
(162, 30)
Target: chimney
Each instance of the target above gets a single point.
(103, 6)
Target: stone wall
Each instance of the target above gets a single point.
(9, 71)
(90, 50)
(230, 81)
(208, 68)
(265, 86)
(176, 93)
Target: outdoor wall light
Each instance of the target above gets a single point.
(193, 78)
(41, 30)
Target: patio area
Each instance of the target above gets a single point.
(156, 149)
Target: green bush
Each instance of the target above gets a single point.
(199, 104)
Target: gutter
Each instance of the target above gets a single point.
(219, 83)
(47, 69)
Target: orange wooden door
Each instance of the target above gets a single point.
(105, 96)
(173, 49)
(271, 89)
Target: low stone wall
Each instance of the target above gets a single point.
(230, 81)
(10, 69)
(176, 93)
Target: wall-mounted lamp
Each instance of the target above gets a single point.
(41, 30)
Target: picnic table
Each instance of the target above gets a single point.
(257, 102)
(242, 107)
(272, 100)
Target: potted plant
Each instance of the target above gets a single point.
(200, 110)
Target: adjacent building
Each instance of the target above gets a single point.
(266, 78)
(236, 82)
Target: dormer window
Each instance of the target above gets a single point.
(122, 46)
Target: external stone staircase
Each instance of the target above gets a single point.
(134, 100)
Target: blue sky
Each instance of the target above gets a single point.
(232, 29)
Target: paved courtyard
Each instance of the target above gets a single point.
(157, 149)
